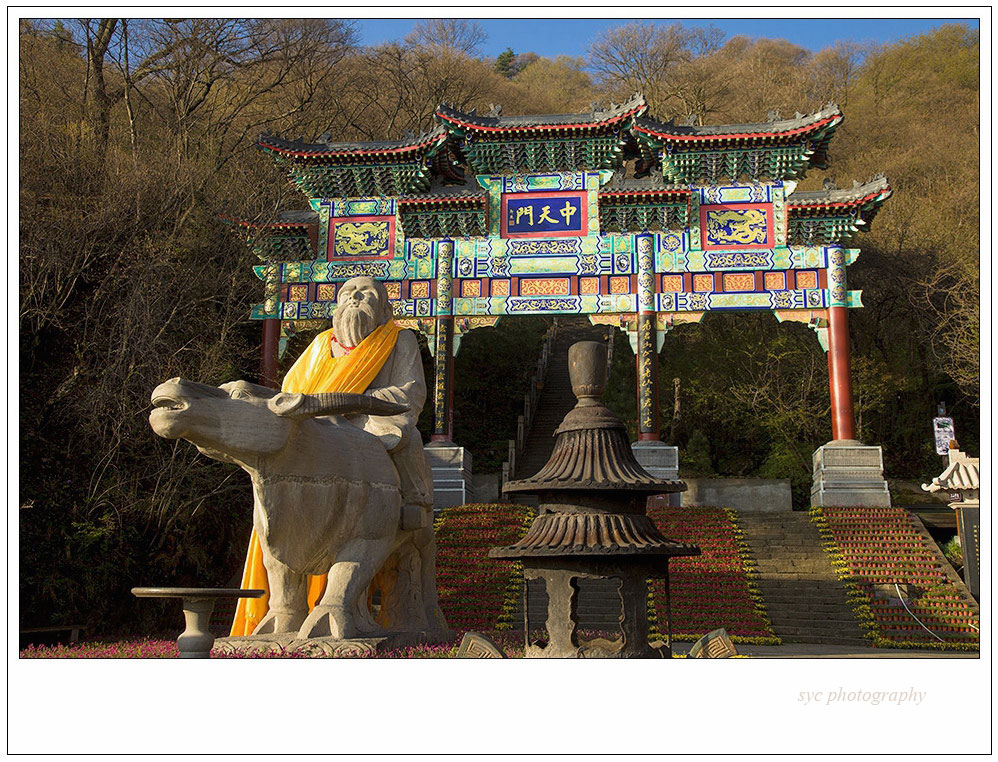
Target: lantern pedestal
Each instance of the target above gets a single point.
(591, 525)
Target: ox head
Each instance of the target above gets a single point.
(237, 421)
(227, 422)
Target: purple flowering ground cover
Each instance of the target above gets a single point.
(167, 649)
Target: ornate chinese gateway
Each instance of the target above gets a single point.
(633, 222)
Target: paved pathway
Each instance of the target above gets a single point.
(829, 651)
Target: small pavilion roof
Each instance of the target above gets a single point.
(962, 473)
(495, 122)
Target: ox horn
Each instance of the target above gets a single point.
(298, 405)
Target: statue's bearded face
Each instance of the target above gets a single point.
(362, 306)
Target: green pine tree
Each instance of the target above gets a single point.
(504, 63)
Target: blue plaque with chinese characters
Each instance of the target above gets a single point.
(535, 215)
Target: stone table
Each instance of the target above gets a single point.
(196, 641)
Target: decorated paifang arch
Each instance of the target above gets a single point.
(633, 222)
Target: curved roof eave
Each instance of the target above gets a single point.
(495, 122)
(374, 148)
(827, 118)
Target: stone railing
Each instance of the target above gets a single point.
(530, 401)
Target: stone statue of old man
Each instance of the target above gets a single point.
(342, 489)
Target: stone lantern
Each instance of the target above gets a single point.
(591, 523)
(961, 481)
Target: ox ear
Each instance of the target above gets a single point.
(286, 403)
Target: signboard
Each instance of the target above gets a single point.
(945, 433)
(356, 238)
(969, 527)
(736, 226)
(536, 215)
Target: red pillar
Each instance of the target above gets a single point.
(443, 391)
(647, 370)
(268, 359)
(839, 374)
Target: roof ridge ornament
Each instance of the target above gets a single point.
(495, 110)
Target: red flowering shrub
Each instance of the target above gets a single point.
(714, 589)
(881, 546)
(477, 592)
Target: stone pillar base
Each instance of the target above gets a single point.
(848, 473)
(661, 461)
(451, 467)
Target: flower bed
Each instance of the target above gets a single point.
(124, 649)
(714, 589)
(482, 594)
(477, 592)
(167, 649)
(874, 547)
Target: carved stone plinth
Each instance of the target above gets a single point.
(661, 461)
(848, 473)
(561, 581)
(288, 644)
(451, 466)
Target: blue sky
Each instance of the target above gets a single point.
(550, 37)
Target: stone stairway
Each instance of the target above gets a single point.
(805, 600)
(556, 397)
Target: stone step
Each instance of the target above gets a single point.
(828, 640)
(794, 617)
(789, 603)
(804, 599)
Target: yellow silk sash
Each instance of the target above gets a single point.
(314, 372)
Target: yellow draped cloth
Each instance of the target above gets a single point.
(316, 371)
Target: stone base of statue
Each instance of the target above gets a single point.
(451, 466)
(289, 644)
(848, 473)
(661, 461)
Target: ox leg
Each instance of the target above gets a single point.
(288, 603)
(405, 599)
(425, 543)
(342, 613)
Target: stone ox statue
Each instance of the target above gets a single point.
(326, 500)
(340, 482)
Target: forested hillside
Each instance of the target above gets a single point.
(136, 134)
